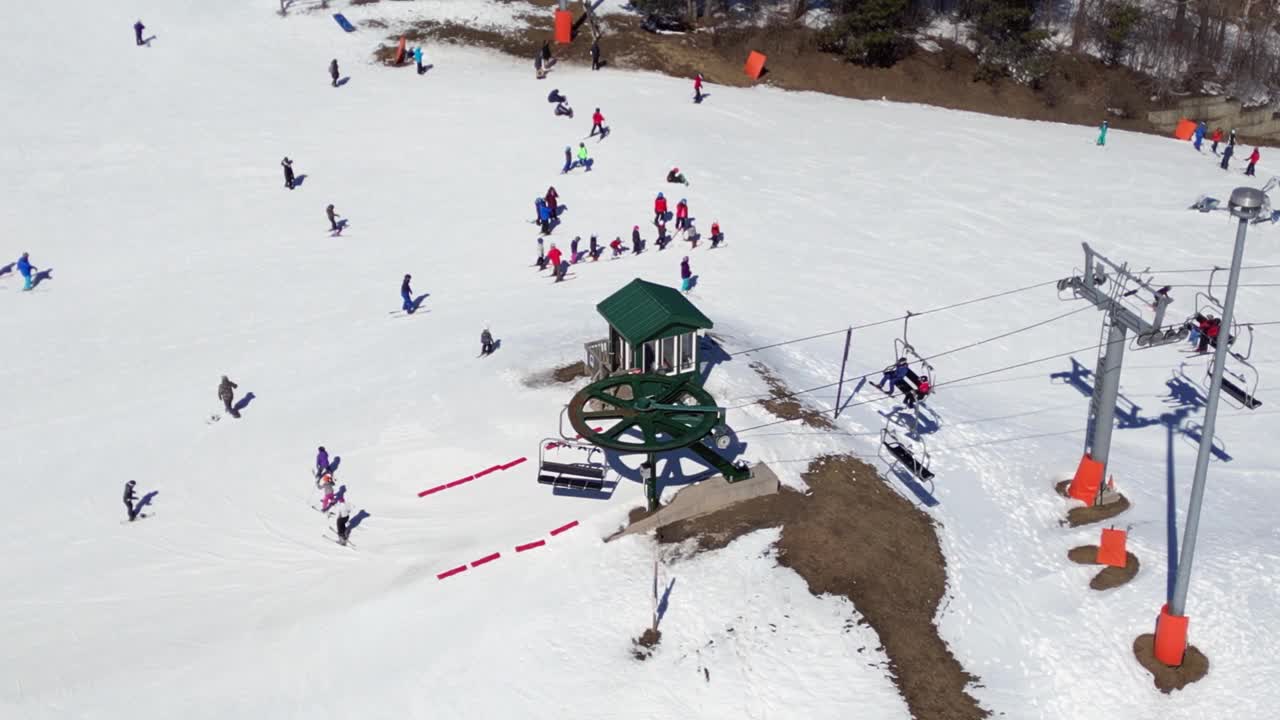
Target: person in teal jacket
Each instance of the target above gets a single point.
(1102, 133)
(417, 58)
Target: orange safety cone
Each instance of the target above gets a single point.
(564, 27)
(1111, 550)
(755, 65)
(1087, 480)
(1171, 637)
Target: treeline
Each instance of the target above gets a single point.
(1180, 43)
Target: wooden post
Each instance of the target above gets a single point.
(848, 338)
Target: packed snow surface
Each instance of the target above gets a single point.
(147, 179)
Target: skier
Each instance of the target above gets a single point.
(24, 269)
(922, 389)
(546, 53)
(597, 123)
(1254, 157)
(1231, 139)
(486, 342)
(568, 160)
(637, 246)
(138, 27)
(326, 485)
(554, 257)
(635, 236)
(595, 249)
(659, 209)
(322, 463)
(287, 164)
(686, 275)
(682, 214)
(674, 176)
(616, 246)
(1102, 133)
(1216, 137)
(595, 54)
(1227, 152)
(406, 294)
(417, 58)
(663, 237)
(344, 515)
(552, 199)
(129, 497)
(1198, 138)
(893, 375)
(697, 88)
(544, 216)
(333, 71)
(573, 249)
(226, 395)
(716, 236)
(583, 160)
(333, 218)
(1209, 328)
(537, 66)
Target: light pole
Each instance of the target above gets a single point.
(1171, 627)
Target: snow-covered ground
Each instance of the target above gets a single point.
(148, 180)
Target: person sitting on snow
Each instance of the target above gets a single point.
(675, 177)
(563, 110)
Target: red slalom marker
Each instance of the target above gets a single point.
(451, 573)
(486, 559)
(530, 546)
(564, 528)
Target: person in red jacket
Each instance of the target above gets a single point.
(553, 259)
(1254, 157)
(597, 123)
(659, 208)
(616, 246)
(682, 214)
(697, 88)
(716, 237)
(552, 198)
(1216, 137)
(922, 389)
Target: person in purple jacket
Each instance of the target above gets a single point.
(685, 275)
(322, 462)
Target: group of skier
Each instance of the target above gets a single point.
(332, 502)
(1216, 137)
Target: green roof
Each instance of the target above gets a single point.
(643, 311)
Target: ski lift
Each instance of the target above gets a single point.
(1239, 384)
(910, 386)
(571, 464)
(917, 463)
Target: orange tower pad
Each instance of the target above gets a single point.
(1171, 637)
(1087, 480)
(1111, 551)
(1186, 128)
(564, 27)
(755, 65)
(400, 52)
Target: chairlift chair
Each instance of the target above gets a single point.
(902, 348)
(571, 464)
(1239, 384)
(916, 463)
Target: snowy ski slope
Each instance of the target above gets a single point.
(148, 180)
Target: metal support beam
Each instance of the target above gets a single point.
(1107, 391)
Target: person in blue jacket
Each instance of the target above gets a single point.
(406, 294)
(322, 462)
(892, 374)
(568, 160)
(544, 216)
(1201, 129)
(24, 269)
(138, 27)
(417, 58)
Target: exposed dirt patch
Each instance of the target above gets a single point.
(854, 536)
(1078, 90)
(1194, 665)
(1110, 577)
(644, 646)
(783, 403)
(1087, 515)
(563, 374)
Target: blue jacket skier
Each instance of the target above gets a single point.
(1198, 138)
(1226, 156)
(406, 294)
(568, 160)
(138, 27)
(129, 497)
(417, 58)
(892, 375)
(544, 216)
(322, 461)
(24, 269)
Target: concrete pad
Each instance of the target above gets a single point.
(705, 498)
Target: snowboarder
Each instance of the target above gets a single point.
(138, 27)
(344, 515)
(417, 58)
(486, 342)
(537, 66)
(597, 123)
(406, 293)
(716, 236)
(129, 497)
(333, 218)
(568, 160)
(595, 54)
(686, 275)
(616, 246)
(697, 88)
(1198, 137)
(24, 269)
(554, 256)
(682, 214)
(595, 249)
(555, 97)
(1227, 152)
(663, 237)
(1254, 157)
(659, 209)
(322, 463)
(583, 159)
(674, 176)
(637, 245)
(1216, 137)
(226, 395)
(287, 164)
(333, 71)
(893, 375)
(552, 199)
(1102, 133)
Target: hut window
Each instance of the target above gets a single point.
(668, 362)
(688, 342)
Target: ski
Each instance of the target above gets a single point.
(333, 538)
(136, 518)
